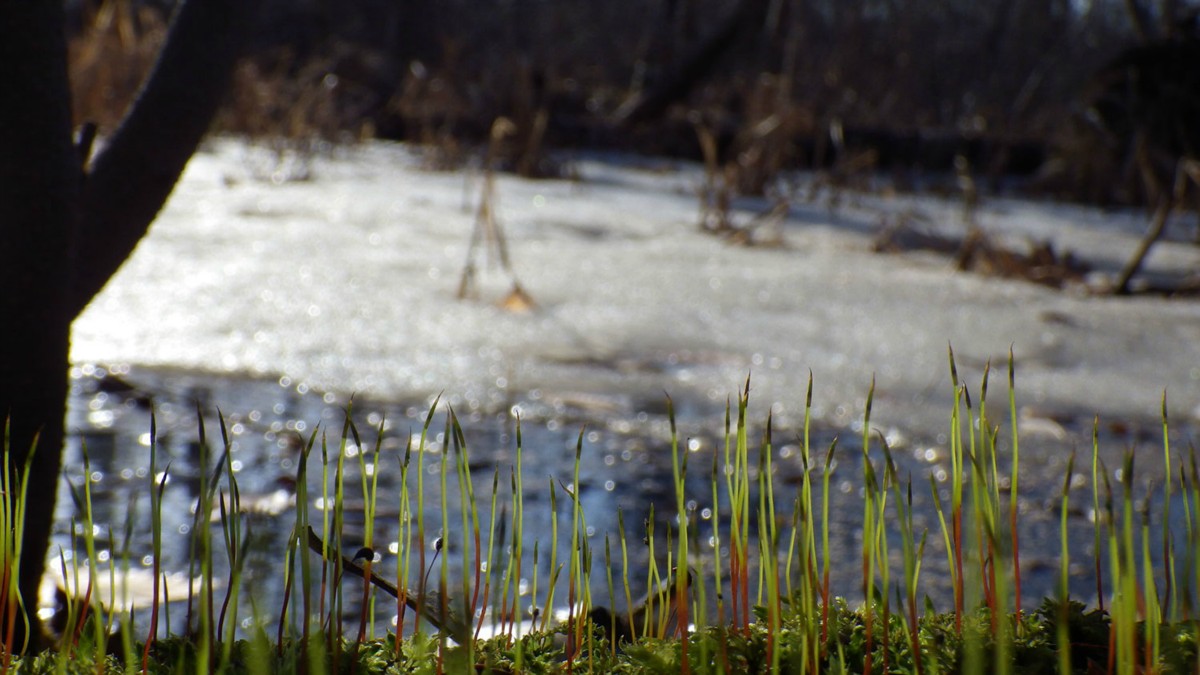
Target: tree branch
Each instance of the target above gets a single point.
(136, 171)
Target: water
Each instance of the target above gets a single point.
(276, 300)
(625, 467)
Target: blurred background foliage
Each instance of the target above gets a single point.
(1065, 93)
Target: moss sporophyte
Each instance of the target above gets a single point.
(735, 582)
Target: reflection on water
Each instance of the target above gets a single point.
(624, 473)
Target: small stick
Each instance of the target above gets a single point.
(430, 610)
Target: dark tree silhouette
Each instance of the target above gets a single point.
(67, 224)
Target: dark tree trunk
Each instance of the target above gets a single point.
(39, 186)
(49, 212)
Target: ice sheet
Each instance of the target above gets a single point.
(346, 281)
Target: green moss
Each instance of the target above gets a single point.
(774, 617)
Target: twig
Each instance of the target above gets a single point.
(427, 605)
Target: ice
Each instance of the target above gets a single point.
(346, 282)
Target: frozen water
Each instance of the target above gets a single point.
(346, 281)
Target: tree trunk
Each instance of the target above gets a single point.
(49, 211)
(39, 186)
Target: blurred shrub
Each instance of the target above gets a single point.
(110, 53)
(809, 83)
